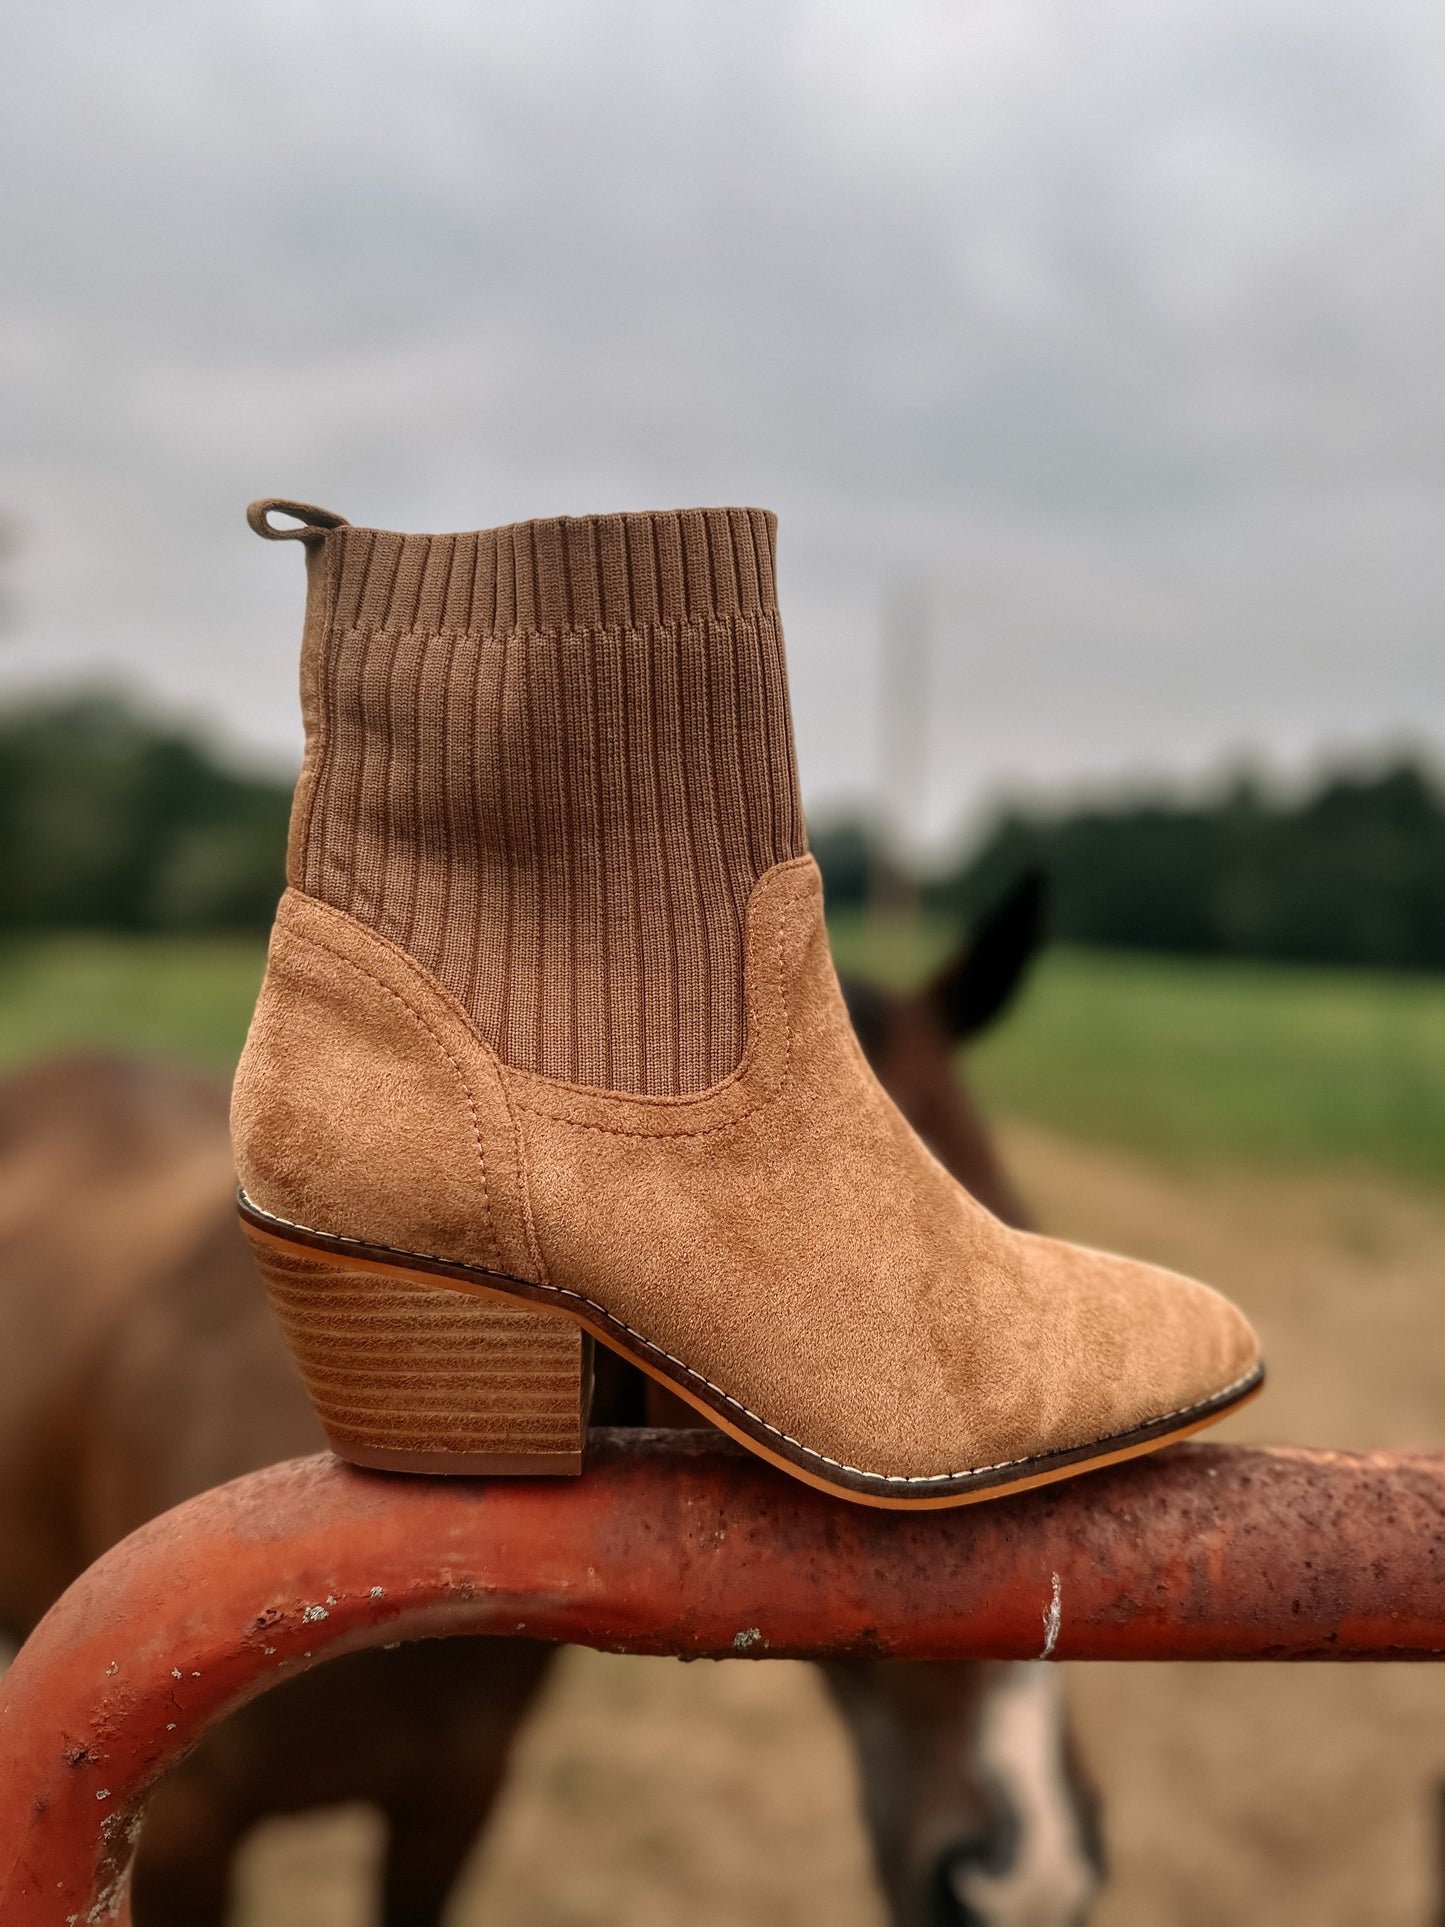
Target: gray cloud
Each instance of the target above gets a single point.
(1118, 329)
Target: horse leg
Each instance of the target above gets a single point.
(427, 1846)
(979, 1814)
(188, 1842)
(435, 1814)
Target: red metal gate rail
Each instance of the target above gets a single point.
(677, 1543)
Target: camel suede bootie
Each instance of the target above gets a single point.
(550, 1048)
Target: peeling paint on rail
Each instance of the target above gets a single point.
(1053, 1616)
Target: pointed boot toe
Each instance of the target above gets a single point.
(550, 1051)
(1125, 1356)
(1190, 1351)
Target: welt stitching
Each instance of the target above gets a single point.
(858, 1471)
(420, 1021)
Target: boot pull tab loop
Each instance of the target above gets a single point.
(315, 522)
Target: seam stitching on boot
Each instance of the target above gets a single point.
(418, 1019)
(524, 1183)
(858, 1471)
(328, 561)
(788, 909)
(664, 1102)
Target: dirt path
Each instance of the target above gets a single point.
(720, 1794)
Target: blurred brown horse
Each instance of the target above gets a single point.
(139, 1365)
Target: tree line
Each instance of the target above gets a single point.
(1351, 872)
(112, 820)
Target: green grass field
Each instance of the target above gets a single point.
(1190, 1058)
(1176, 1058)
(190, 997)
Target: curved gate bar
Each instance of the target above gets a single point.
(677, 1543)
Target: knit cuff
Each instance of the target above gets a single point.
(562, 575)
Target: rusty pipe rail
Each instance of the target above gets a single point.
(678, 1543)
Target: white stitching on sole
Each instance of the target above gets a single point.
(858, 1471)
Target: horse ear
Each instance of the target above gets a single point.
(975, 988)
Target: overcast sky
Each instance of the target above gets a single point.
(1118, 329)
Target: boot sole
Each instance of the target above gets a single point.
(446, 1369)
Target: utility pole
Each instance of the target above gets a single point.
(903, 733)
(9, 547)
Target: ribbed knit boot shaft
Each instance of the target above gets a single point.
(550, 762)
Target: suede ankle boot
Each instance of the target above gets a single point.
(550, 1049)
